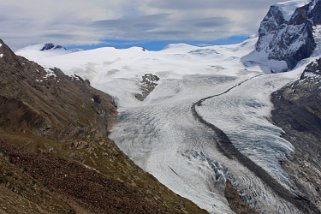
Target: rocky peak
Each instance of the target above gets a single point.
(270, 23)
(50, 46)
(286, 32)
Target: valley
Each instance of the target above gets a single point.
(162, 136)
(231, 128)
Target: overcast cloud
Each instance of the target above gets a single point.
(84, 22)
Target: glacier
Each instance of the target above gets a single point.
(161, 135)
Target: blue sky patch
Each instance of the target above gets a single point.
(159, 44)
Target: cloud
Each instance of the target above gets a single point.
(209, 4)
(160, 26)
(79, 22)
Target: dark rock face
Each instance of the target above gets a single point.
(297, 110)
(97, 99)
(50, 46)
(315, 13)
(289, 40)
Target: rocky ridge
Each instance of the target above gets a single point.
(297, 111)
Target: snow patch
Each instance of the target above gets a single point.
(311, 75)
(49, 73)
(75, 77)
(39, 81)
(261, 61)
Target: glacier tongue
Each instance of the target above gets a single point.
(166, 140)
(242, 115)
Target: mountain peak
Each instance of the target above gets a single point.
(51, 46)
(286, 32)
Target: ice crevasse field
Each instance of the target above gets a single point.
(161, 135)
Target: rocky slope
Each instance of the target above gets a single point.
(55, 155)
(287, 36)
(297, 111)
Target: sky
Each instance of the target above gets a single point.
(95, 23)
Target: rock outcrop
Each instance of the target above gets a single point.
(147, 85)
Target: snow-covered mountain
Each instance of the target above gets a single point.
(119, 71)
(286, 33)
